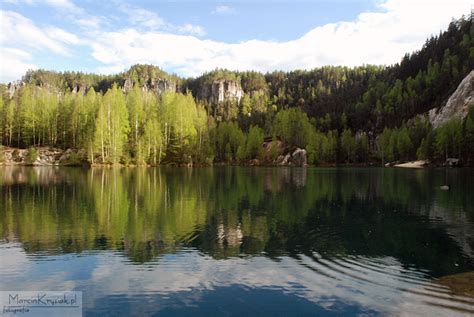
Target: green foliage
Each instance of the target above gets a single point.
(384, 150)
(32, 155)
(362, 148)
(293, 127)
(348, 146)
(469, 134)
(112, 126)
(275, 149)
(228, 138)
(74, 158)
(2, 154)
(330, 148)
(253, 147)
(426, 149)
(306, 109)
(322, 148)
(449, 139)
(404, 144)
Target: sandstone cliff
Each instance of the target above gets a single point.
(157, 85)
(457, 105)
(221, 90)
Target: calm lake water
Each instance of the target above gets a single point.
(240, 241)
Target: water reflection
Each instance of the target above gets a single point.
(189, 241)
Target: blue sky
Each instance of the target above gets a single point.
(191, 37)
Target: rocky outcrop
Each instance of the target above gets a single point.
(222, 90)
(43, 156)
(127, 85)
(80, 89)
(413, 164)
(157, 85)
(457, 105)
(11, 90)
(296, 158)
(160, 85)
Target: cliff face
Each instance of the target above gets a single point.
(80, 88)
(222, 90)
(11, 90)
(157, 85)
(457, 105)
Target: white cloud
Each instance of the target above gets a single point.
(223, 9)
(61, 35)
(191, 29)
(23, 32)
(379, 37)
(89, 22)
(17, 46)
(14, 64)
(142, 18)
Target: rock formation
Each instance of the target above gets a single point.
(158, 85)
(222, 90)
(127, 85)
(457, 105)
(11, 90)
(45, 156)
(80, 88)
(297, 158)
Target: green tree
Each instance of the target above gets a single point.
(293, 127)
(362, 148)
(404, 144)
(384, 143)
(136, 110)
(426, 149)
(348, 145)
(28, 116)
(151, 141)
(112, 126)
(9, 121)
(469, 134)
(254, 143)
(448, 138)
(330, 147)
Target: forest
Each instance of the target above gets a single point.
(340, 115)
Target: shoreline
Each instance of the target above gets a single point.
(406, 165)
(50, 156)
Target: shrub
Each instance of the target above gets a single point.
(32, 155)
(2, 154)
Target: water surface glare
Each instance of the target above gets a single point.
(242, 241)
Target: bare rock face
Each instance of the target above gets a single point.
(457, 105)
(222, 90)
(47, 156)
(297, 158)
(11, 90)
(44, 156)
(157, 85)
(80, 88)
(160, 85)
(127, 85)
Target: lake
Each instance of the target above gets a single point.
(240, 241)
